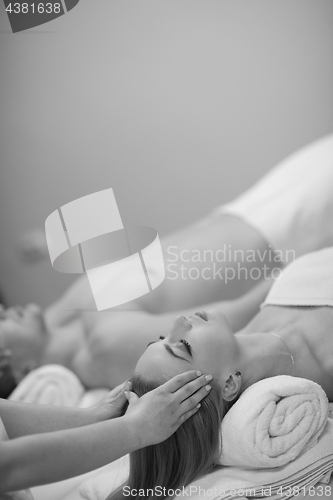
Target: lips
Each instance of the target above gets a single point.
(202, 314)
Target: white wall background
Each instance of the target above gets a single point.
(178, 105)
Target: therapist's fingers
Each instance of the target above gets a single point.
(180, 380)
(131, 397)
(117, 390)
(192, 404)
(188, 414)
(187, 390)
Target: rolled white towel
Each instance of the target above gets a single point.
(92, 397)
(49, 385)
(273, 422)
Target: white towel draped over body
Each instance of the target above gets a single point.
(49, 385)
(292, 205)
(306, 282)
(273, 421)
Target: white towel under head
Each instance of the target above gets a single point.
(273, 422)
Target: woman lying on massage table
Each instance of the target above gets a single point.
(290, 209)
(291, 335)
(49, 444)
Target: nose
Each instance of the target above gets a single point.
(180, 326)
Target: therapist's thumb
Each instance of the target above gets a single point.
(131, 397)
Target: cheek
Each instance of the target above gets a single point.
(219, 355)
(210, 363)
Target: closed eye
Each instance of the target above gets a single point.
(187, 345)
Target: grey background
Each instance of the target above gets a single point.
(178, 105)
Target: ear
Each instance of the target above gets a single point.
(231, 387)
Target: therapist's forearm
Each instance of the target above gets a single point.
(36, 460)
(21, 419)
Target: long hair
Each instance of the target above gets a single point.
(192, 451)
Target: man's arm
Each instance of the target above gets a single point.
(69, 306)
(210, 235)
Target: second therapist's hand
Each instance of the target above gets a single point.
(112, 405)
(159, 413)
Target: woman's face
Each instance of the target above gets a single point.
(203, 341)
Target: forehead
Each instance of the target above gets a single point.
(157, 364)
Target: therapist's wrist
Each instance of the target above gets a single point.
(137, 438)
(98, 413)
(89, 416)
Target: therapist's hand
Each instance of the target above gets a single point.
(113, 405)
(159, 413)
